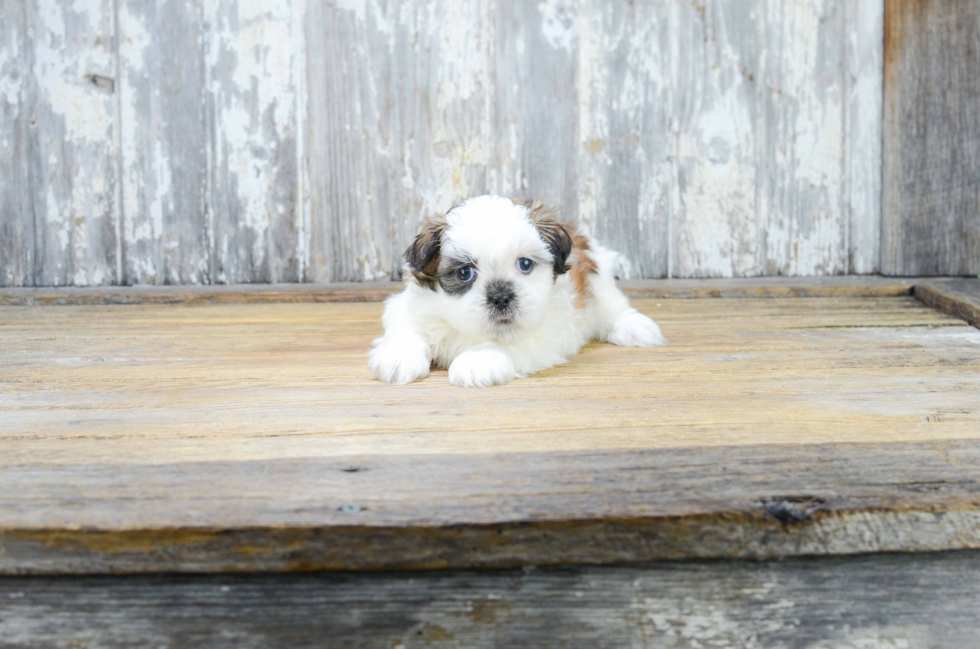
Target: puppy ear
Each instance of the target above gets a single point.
(557, 235)
(422, 257)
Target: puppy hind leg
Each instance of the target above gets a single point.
(616, 321)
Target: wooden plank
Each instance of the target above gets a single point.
(162, 438)
(863, 95)
(757, 287)
(399, 126)
(72, 148)
(16, 215)
(932, 138)
(254, 65)
(625, 144)
(959, 298)
(164, 186)
(873, 602)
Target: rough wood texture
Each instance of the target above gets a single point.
(225, 141)
(70, 193)
(251, 437)
(931, 218)
(959, 298)
(869, 602)
(829, 286)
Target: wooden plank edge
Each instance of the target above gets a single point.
(807, 531)
(764, 287)
(959, 298)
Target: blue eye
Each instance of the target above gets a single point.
(525, 265)
(466, 274)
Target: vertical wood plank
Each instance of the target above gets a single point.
(399, 125)
(164, 143)
(716, 117)
(534, 110)
(253, 67)
(624, 146)
(801, 201)
(864, 53)
(16, 214)
(72, 153)
(931, 193)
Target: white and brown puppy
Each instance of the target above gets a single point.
(497, 289)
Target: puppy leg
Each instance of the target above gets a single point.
(616, 321)
(481, 367)
(401, 355)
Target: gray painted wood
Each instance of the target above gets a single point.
(867, 602)
(71, 153)
(210, 101)
(305, 140)
(931, 218)
(16, 216)
(166, 239)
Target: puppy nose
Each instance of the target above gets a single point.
(501, 299)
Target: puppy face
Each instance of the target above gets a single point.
(493, 262)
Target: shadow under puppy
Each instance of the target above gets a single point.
(498, 289)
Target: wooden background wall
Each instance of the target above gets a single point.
(224, 141)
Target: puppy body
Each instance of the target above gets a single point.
(497, 290)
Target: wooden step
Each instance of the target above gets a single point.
(243, 434)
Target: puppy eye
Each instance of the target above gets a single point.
(525, 265)
(466, 274)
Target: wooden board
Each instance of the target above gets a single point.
(756, 287)
(251, 436)
(219, 142)
(868, 602)
(931, 216)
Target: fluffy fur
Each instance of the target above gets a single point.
(499, 321)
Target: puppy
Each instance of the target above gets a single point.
(498, 289)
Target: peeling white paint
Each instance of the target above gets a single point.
(704, 139)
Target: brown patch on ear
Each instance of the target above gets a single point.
(422, 257)
(582, 266)
(556, 234)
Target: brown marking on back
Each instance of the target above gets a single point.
(582, 266)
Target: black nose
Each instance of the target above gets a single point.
(501, 299)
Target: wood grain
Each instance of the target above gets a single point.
(164, 162)
(757, 287)
(931, 217)
(873, 602)
(71, 156)
(16, 215)
(252, 437)
(218, 141)
(959, 298)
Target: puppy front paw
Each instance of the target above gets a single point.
(481, 368)
(633, 329)
(399, 363)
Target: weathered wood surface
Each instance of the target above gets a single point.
(59, 217)
(959, 298)
(867, 602)
(227, 141)
(757, 287)
(931, 217)
(252, 437)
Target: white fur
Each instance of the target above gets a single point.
(425, 326)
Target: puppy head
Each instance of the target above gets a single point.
(493, 261)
